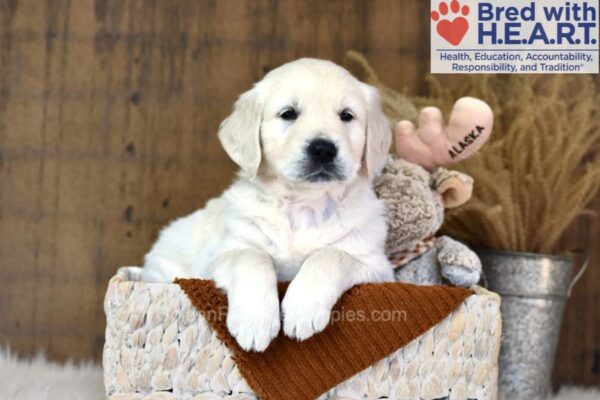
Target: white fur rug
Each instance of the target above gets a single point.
(38, 379)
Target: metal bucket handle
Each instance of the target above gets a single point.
(483, 281)
(579, 273)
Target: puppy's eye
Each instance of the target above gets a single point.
(289, 114)
(346, 116)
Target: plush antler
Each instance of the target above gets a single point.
(433, 145)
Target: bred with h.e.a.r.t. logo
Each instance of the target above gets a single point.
(542, 36)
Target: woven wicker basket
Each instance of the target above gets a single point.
(159, 347)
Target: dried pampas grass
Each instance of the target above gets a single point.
(395, 105)
(541, 167)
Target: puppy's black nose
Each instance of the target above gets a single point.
(322, 151)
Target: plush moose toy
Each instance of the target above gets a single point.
(416, 188)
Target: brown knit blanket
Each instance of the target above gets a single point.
(372, 321)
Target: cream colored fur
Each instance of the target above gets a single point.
(274, 223)
(39, 379)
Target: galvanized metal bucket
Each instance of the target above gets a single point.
(533, 289)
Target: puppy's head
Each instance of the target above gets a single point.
(308, 121)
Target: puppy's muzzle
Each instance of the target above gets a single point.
(322, 161)
(321, 151)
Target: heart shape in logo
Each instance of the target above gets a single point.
(453, 31)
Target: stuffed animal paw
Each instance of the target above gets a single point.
(459, 264)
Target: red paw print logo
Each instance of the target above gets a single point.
(452, 30)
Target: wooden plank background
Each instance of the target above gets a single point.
(108, 119)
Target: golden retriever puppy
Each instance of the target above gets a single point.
(308, 139)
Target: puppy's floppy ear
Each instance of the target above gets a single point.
(240, 133)
(378, 135)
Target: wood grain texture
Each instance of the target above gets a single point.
(108, 118)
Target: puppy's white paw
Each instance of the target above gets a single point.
(303, 314)
(254, 323)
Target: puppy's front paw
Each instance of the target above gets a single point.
(303, 314)
(254, 322)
